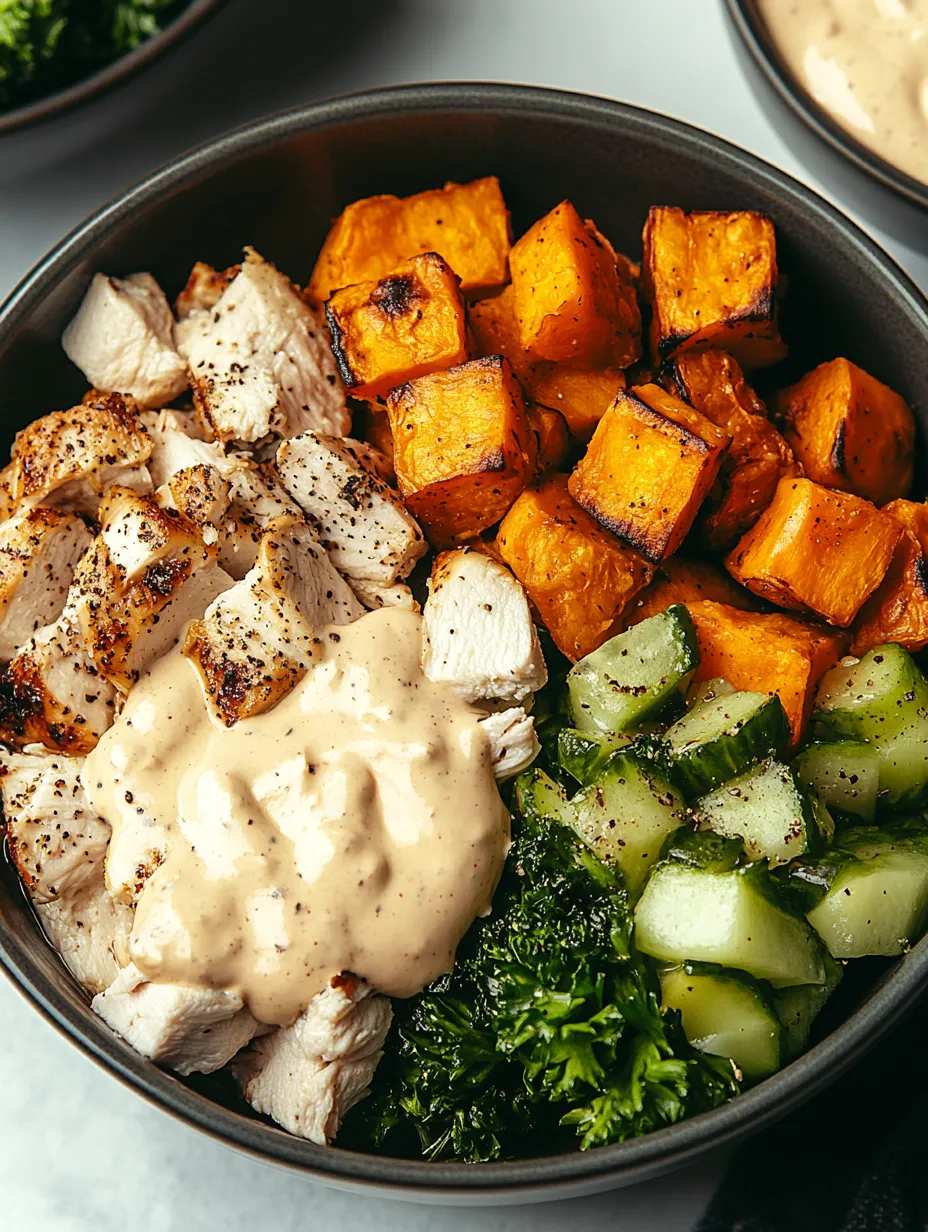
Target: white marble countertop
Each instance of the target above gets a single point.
(77, 1150)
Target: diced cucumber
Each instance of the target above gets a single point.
(703, 849)
(537, 795)
(870, 893)
(798, 1007)
(904, 760)
(626, 815)
(730, 918)
(630, 677)
(824, 822)
(723, 737)
(844, 775)
(583, 755)
(882, 699)
(727, 1015)
(708, 690)
(766, 808)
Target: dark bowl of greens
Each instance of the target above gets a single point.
(58, 54)
(482, 1068)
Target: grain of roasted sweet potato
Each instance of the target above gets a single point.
(897, 611)
(467, 224)
(462, 447)
(766, 653)
(648, 468)
(711, 281)
(758, 457)
(407, 324)
(581, 395)
(687, 581)
(850, 431)
(577, 575)
(551, 435)
(816, 551)
(575, 300)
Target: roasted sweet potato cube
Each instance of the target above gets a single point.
(758, 458)
(551, 435)
(463, 448)
(578, 576)
(817, 551)
(711, 280)
(575, 300)
(687, 581)
(467, 224)
(897, 611)
(766, 654)
(648, 468)
(407, 324)
(581, 395)
(850, 431)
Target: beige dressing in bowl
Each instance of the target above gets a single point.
(356, 826)
(866, 63)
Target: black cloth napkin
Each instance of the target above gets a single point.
(854, 1159)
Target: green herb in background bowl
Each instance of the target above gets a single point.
(47, 45)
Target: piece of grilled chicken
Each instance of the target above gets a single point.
(306, 1076)
(189, 1030)
(122, 339)
(363, 523)
(477, 630)
(478, 637)
(257, 639)
(259, 360)
(145, 575)
(70, 458)
(179, 442)
(58, 846)
(39, 550)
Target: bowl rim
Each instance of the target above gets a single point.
(748, 22)
(71, 97)
(550, 1176)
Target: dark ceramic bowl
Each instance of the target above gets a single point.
(111, 75)
(850, 170)
(276, 185)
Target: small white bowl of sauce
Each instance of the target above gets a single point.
(856, 71)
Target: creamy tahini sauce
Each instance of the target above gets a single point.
(356, 826)
(866, 63)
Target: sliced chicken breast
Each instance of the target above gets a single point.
(52, 693)
(147, 574)
(374, 596)
(513, 742)
(55, 840)
(58, 846)
(122, 339)
(203, 289)
(477, 630)
(189, 1030)
(364, 525)
(69, 458)
(257, 639)
(90, 931)
(141, 580)
(201, 495)
(260, 362)
(307, 1076)
(178, 442)
(38, 553)
(256, 498)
